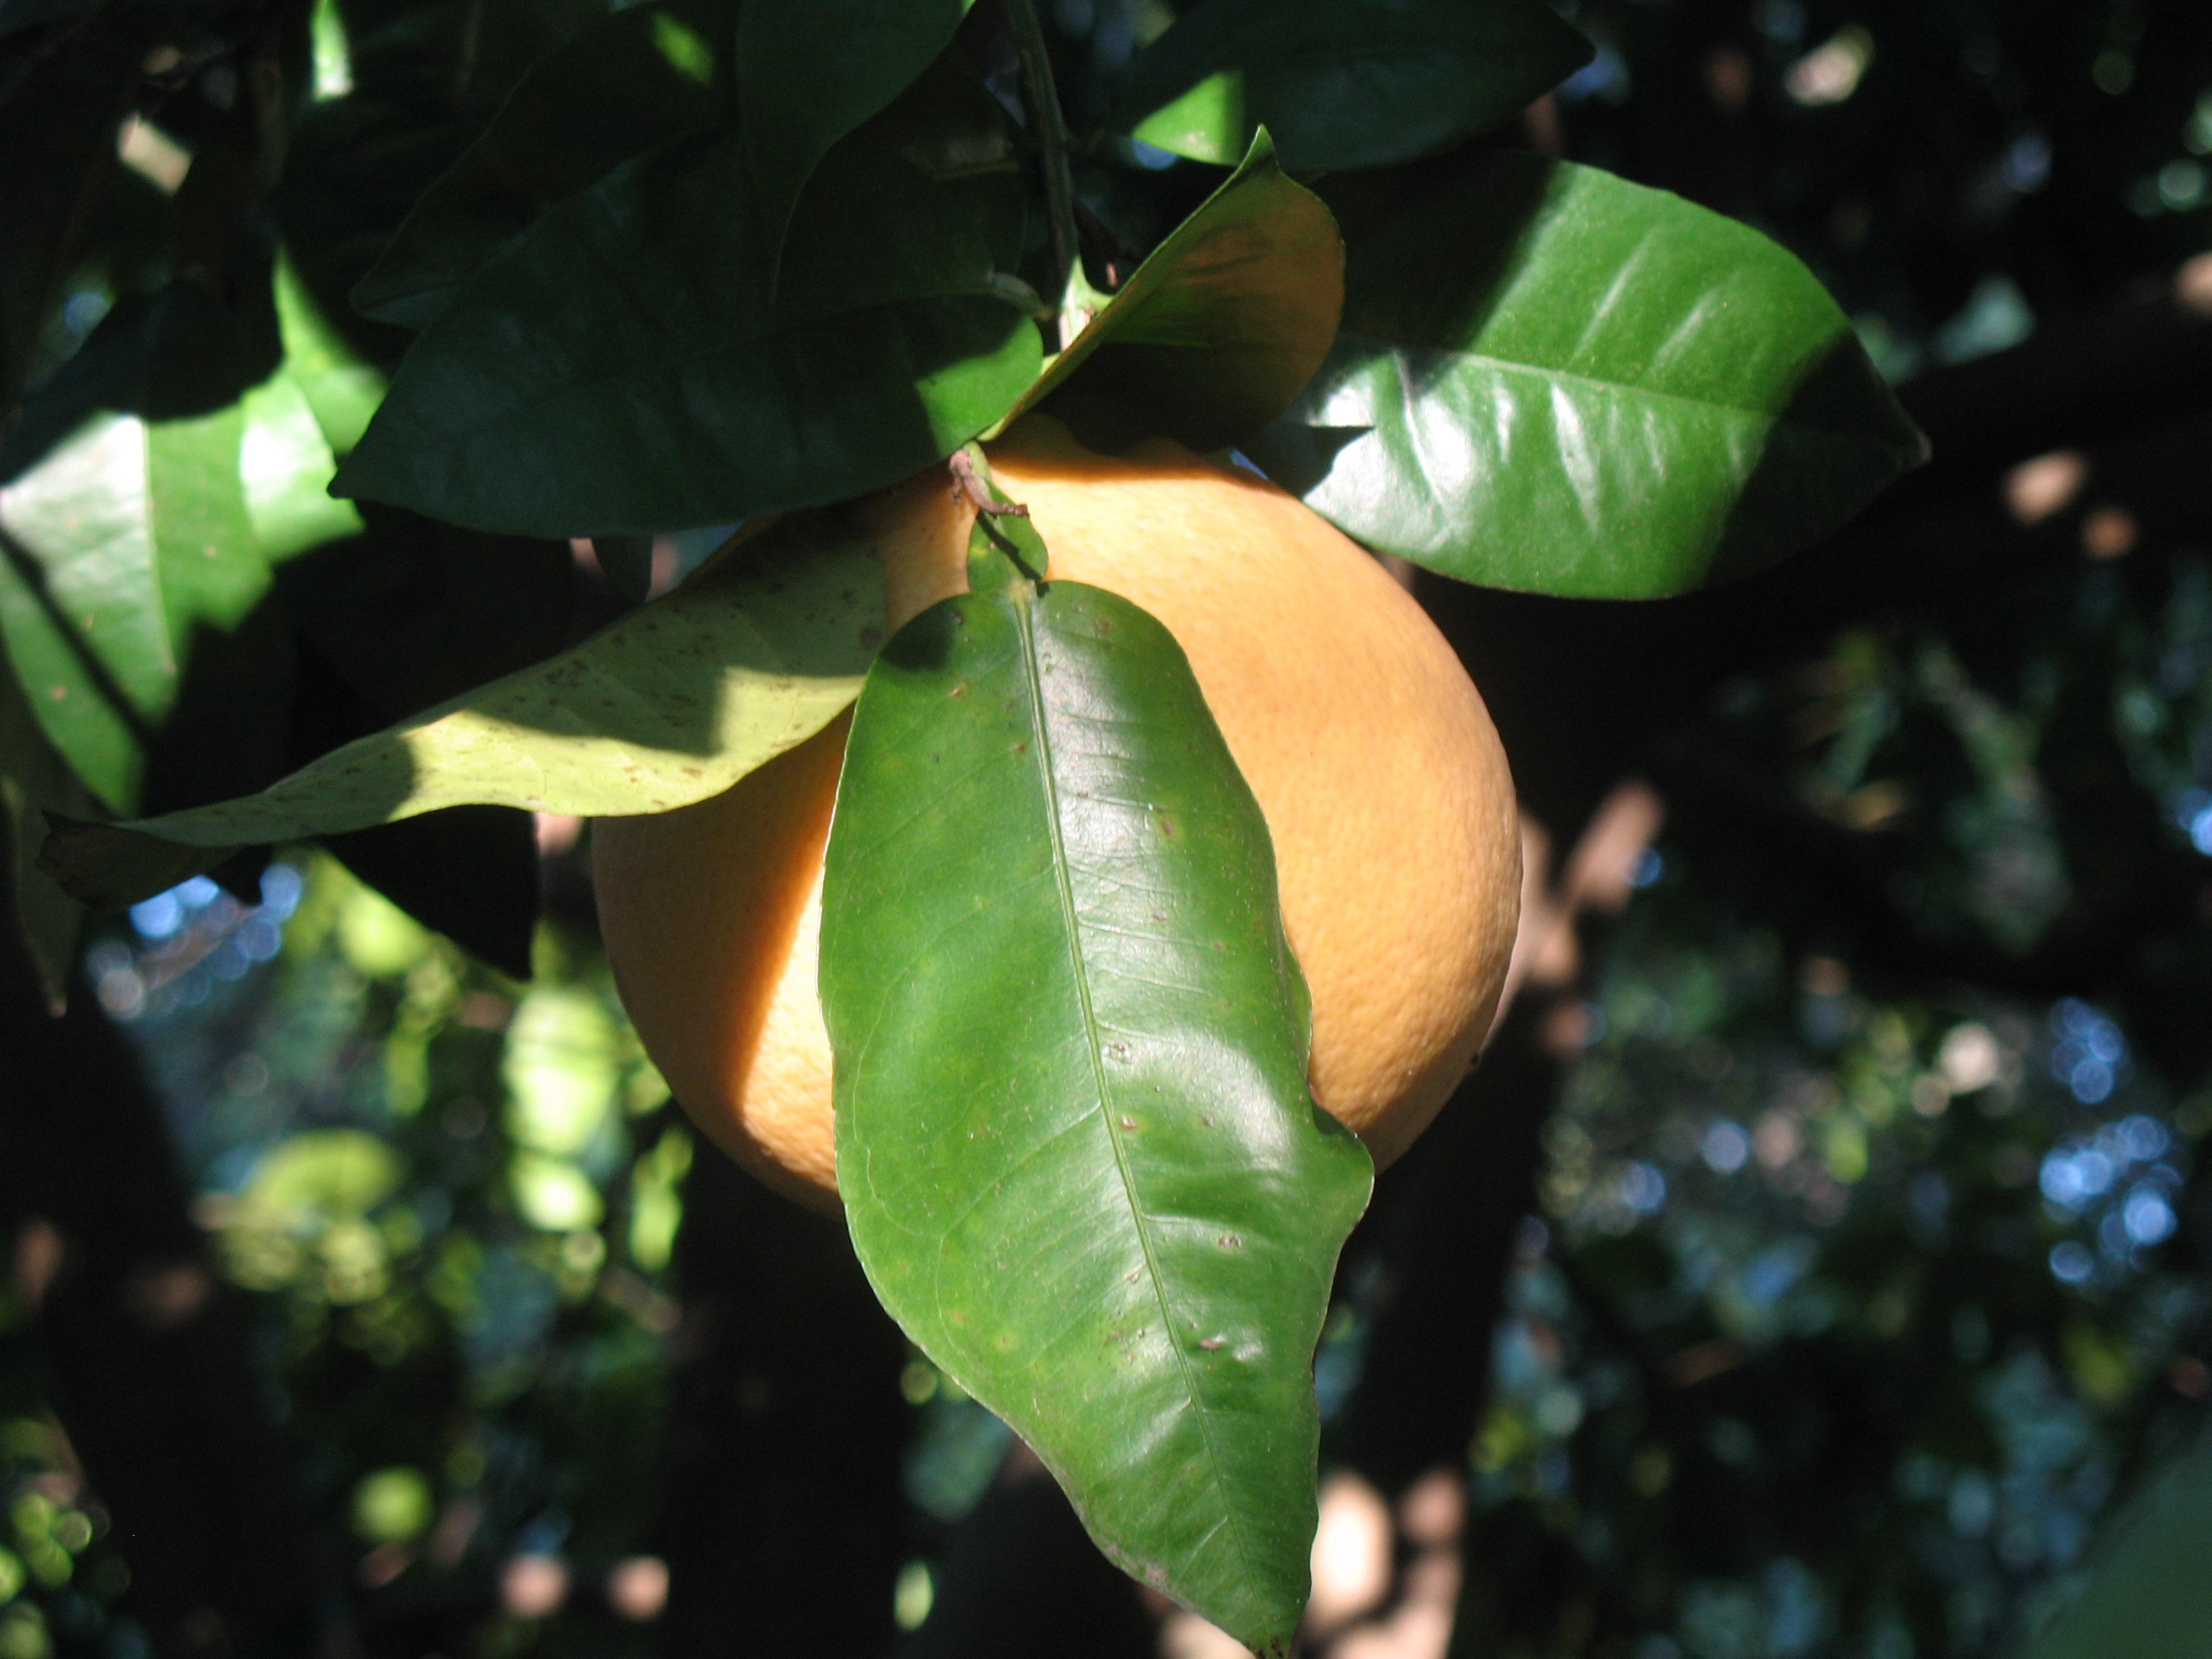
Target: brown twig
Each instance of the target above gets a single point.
(966, 484)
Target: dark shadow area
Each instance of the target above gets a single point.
(142, 1346)
(785, 1526)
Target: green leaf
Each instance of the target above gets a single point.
(415, 612)
(286, 463)
(1215, 333)
(1554, 381)
(646, 75)
(673, 704)
(1074, 1142)
(674, 393)
(135, 542)
(1343, 83)
(341, 389)
(127, 537)
(809, 72)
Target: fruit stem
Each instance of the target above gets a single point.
(1049, 127)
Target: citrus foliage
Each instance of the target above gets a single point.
(829, 245)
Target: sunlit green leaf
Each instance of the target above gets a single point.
(1074, 1142)
(134, 543)
(674, 703)
(647, 77)
(116, 547)
(286, 465)
(681, 394)
(1214, 334)
(809, 72)
(341, 389)
(1343, 83)
(1550, 378)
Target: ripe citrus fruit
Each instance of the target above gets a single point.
(1373, 761)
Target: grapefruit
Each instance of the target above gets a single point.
(1382, 780)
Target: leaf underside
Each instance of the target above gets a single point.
(1074, 1141)
(1213, 335)
(671, 705)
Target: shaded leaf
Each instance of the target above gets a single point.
(675, 393)
(1074, 1142)
(1216, 331)
(1552, 380)
(470, 872)
(138, 541)
(2142, 1590)
(642, 80)
(35, 781)
(674, 703)
(356, 167)
(415, 612)
(1343, 83)
(809, 72)
(341, 389)
(180, 351)
(111, 551)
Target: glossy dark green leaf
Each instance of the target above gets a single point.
(674, 703)
(354, 168)
(461, 55)
(646, 76)
(809, 72)
(1343, 83)
(675, 393)
(1074, 1142)
(1215, 333)
(1552, 380)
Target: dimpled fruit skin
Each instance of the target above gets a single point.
(1381, 777)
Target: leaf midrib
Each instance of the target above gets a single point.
(1025, 625)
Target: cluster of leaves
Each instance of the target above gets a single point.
(808, 251)
(453, 1199)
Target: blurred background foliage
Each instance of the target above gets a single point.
(1869, 1272)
